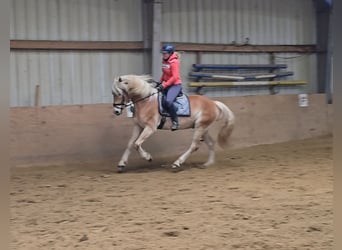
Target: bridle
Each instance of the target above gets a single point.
(124, 104)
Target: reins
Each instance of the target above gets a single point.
(123, 105)
(130, 103)
(141, 99)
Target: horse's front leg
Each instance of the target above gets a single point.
(136, 132)
(147, 132)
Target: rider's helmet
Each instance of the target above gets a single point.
(168, 48)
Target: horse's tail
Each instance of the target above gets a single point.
(228, 117)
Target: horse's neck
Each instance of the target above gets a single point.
(146, 93)
(144, 101)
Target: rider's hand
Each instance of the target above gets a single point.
(160, 88)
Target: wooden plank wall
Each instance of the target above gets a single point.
(127, 45)
(66, 134)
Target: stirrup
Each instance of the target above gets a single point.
(174, 126)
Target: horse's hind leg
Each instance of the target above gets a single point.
(193, 147)
(122, 164)
(211, 145)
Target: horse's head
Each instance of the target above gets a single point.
(119, 97)
(128, 88)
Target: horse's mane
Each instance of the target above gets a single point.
(140, 84)
(178, 55)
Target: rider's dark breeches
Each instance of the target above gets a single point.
(172, 92)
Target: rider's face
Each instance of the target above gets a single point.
(166, 55)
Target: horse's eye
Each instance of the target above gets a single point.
(120, 80)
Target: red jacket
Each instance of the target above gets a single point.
(170, 68)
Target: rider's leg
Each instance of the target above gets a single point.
(174, 117)
(172, 93)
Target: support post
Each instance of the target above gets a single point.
(156, 39)
(37, 96)
(147, 16)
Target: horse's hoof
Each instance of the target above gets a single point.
(205, 165)
(176, 168)
(174, 165)
(121, 169)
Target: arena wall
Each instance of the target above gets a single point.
(77, 133)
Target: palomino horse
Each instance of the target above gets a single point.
(204, 112)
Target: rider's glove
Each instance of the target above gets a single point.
(160, 88)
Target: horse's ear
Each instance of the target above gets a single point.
(120, 80)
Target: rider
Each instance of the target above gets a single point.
(170, 81)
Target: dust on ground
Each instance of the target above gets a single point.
(264, 197)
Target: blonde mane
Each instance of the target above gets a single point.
(178, 55)
(139, 85)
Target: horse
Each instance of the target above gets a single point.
(139, 90)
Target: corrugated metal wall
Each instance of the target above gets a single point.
(68, 77)
(72, 77)
(270, 22)
(76, 20)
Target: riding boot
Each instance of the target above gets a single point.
(174, 118)
(175, 124)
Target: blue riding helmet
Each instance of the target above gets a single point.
(168, 48)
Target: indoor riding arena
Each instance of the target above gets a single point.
(271, 187)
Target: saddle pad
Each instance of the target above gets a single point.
(181, 104)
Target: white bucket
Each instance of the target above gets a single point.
(129, 110)
(303, 100)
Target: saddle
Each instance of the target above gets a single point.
(182, 105)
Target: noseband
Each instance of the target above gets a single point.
(120, 105)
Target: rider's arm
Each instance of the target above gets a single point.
(174, 66)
